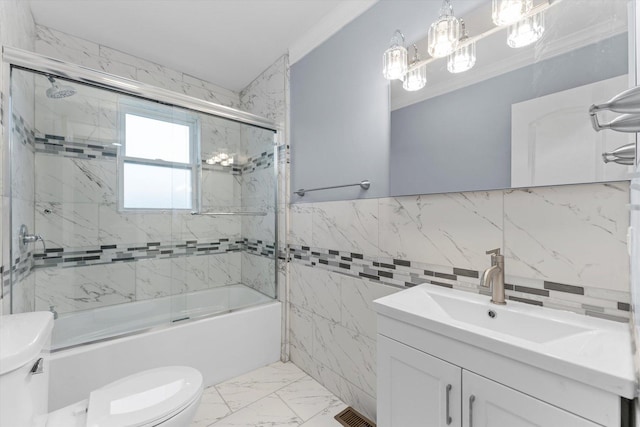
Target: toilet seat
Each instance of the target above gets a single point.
(144, 399)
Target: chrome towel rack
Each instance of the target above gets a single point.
(246, 213)
(624, 155)
(365, 184)
(628, 103)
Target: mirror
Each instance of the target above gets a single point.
(519, 117)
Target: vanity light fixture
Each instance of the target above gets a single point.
(464, 58)
(416, 77)
(527, 31)
(444, 34)
(395, 58)
(507, 12)
(448, 37)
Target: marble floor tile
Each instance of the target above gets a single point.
(296, 400)
(270, 411)
(326, 417)
(212, 408)
(248, 388)
(306, 397)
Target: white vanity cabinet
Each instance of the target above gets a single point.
(416, 389)
(448, 358)
(489, 404)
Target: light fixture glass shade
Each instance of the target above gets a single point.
(526, 31)
(507, 12)
(463, 59)
(444, 34)
(395, 58)
(416, 78)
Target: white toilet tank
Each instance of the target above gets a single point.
(24, 371)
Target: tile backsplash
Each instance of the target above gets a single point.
(573, 235)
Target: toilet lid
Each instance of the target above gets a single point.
(144, 397)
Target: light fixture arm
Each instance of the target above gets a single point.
(397, 39)
(464, 34)
(446, 9)
(416, 55)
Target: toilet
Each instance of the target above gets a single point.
(166, 397)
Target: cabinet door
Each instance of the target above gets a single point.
(486, 403)
(415, 389)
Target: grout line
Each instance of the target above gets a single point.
(246, 406)
(251, 403)
(215, 386)
(275, 393)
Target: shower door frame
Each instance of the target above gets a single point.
(41, 64)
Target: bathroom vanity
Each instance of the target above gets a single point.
(451, 358)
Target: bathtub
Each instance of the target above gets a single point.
(223, 332)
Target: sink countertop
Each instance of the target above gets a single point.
(587, 349)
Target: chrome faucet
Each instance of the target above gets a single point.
(494, 277)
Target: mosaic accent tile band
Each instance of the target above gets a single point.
(21, 267)
(113, 253)
(104, 150)
(25, 134)
(58, 145)
(404, 274)
(262, 161)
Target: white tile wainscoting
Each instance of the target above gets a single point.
(565, 248)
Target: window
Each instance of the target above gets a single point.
(158, 161)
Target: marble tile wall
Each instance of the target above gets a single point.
(75, 212)
(565, 248)
(17, 29)
(266, 96)
(63, 46)
(74, 176)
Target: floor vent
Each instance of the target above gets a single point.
(352, 418)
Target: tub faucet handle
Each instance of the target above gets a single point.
(495, 251)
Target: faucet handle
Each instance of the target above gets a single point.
(494, 251)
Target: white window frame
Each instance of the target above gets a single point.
(166, 114)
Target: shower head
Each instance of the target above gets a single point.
(56, 91)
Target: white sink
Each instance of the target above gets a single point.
(510, 320)
(582, 347)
